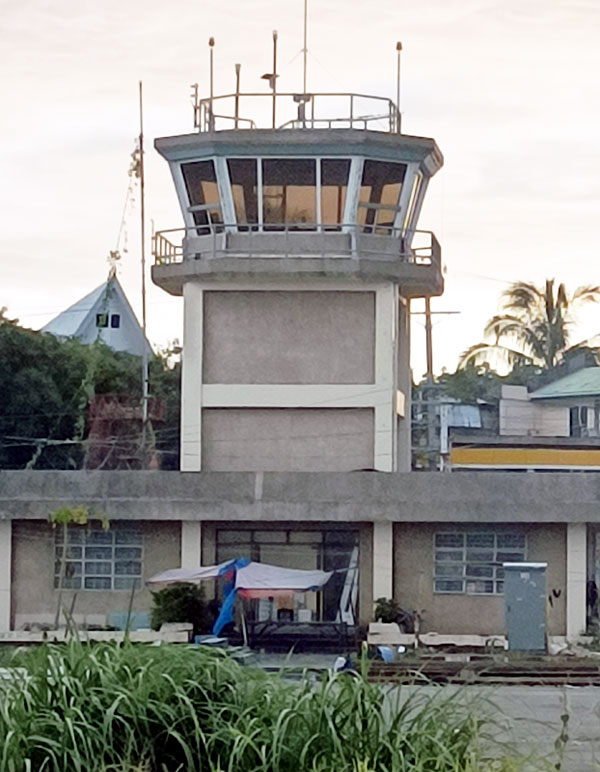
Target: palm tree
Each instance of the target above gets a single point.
(534, 328)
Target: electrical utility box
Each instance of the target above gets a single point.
(525, 606)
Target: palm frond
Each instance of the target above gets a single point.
(486, 353)
(522, 295)
(500, 325)
(586, 294)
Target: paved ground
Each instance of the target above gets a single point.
(529, 717)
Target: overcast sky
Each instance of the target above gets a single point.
(508, 88)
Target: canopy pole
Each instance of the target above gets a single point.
(244, 628)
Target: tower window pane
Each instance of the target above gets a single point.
(334, 184)
(203, 194)
(242, 174)
(379, 195)
(289, 192)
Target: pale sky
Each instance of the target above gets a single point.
(508, 88)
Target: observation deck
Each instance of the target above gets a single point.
(312, 185)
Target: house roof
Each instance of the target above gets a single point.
(582, 383)
(80, 320)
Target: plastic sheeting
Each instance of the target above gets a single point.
(190, 574)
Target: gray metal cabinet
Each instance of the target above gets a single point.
(525, 606)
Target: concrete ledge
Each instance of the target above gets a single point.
(347, 497)
(21, 637)
(389, 635)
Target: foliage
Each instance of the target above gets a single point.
(389, 610)
(46, 385)
(386, 609)
(181, 603)
(75, 516)
(471, 384)
(101, 707)
(534, 328)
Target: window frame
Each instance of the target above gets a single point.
(80, 539)
(494, 565)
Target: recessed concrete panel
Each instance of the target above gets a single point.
(462, 613)
(34, 598)
(289, 337)
(302, 440)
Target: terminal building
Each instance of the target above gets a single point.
(299, 255)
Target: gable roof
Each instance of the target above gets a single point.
(80, 320)
(583, 383)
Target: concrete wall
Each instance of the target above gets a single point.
(253, 439)
(34, 598)
(477, 614)
(289, 337)
(468, 497)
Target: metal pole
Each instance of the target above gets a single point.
(428, 339)
(238, 67)
(143, 254)
(305, 49)
(274, 74)
(398, 114)
(211, 123)
(432, 456)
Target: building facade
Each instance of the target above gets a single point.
(297, 262)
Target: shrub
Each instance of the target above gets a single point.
(181, 603)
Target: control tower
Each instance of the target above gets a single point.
(297, 261)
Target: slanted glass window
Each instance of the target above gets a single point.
(98, 560)
(334, 184)
(289, 193)
(380, 195)
(203, 194)
(115, 321)
(411, 213)
(101, 320)
(243, 178)
(470, 562)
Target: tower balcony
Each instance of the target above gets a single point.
(296, 251)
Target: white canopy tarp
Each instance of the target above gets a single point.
(261, 576)
(188, 574)
(253, 576)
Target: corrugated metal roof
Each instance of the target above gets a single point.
(583, 383)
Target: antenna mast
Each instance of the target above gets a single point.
(143, 253)
(399, 114)
(305, 49)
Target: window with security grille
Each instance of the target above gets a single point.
(470, 562)
(96, 559)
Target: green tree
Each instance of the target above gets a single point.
(46, 385)
(534, 328)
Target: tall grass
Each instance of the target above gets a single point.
(110, 708)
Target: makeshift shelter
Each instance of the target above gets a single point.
(248, 579)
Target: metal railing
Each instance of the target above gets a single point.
(281, 240)
(312, 111)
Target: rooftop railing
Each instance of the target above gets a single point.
(296, 111)
(295, 240)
